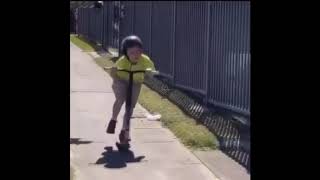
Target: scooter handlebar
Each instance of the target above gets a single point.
(108, 68)
(153, 72)
(149, 71)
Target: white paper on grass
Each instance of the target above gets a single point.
(153, 117)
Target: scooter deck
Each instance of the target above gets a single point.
(122, 147)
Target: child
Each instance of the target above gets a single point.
(133, 60)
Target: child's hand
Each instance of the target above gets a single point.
(112, 70)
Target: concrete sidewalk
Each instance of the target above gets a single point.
(156, 153)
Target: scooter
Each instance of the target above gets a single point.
(123, 144)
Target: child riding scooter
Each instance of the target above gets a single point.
(128, 76)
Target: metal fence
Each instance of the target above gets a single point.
(191, 34)
(201, 46)
(229, 56)
(163, 38)
(72, 22)
(100, 25)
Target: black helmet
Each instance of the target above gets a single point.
(130, 41)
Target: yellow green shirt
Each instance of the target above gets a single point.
(143, 64)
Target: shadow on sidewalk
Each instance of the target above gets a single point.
(77, 141)
(116, 159)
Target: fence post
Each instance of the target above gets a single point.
(119, 31)
(174, 41)
(134, 16)
(103, 29)
(88, 15)
(76, 21)
(206, 70)
(150, 38)
(106, 26)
